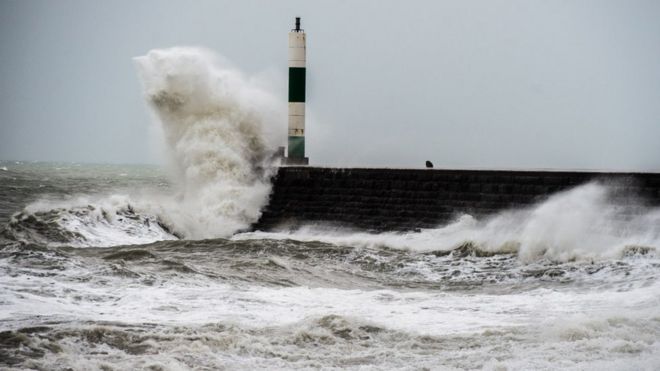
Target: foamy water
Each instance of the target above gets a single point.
(268, 303)
(578, 224)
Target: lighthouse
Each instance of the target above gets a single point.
(296, 135)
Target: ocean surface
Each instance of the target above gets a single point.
(92, 276)
(109, 267)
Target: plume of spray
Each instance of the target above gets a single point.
(583, 223)
(218, 127)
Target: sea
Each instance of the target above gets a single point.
(155, 267)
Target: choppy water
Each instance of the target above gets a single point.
(298, 300)
(106, 267)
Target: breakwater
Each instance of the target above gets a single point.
(406, 199)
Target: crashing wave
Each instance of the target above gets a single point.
(85, 222)
(215, 125)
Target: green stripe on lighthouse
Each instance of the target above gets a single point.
(296, 147)
(296, 84)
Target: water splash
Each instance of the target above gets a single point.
(213, 120)
(579, 224)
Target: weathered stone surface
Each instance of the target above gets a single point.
(399, 199)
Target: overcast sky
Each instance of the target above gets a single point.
(479, 84)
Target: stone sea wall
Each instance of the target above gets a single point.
(407, 199)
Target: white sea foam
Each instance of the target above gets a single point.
(582, 223)
(83, 221)
(246, 324)
(195, 299)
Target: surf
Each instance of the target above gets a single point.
(581, 223)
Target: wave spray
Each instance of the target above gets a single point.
(214, 122)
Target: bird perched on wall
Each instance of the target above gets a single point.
(429, 165)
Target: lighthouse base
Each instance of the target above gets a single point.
(295, 161)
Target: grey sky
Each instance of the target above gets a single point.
(505, 84)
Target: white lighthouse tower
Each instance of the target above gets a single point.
(296, 137)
